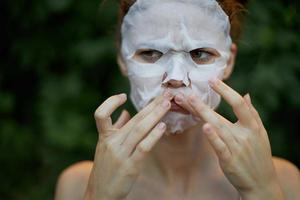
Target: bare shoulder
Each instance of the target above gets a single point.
(289, 177)
(72, 182)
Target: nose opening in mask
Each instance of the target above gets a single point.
(176, 75)
(173, 82)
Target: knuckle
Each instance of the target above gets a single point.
(142, 148)
(226, 156)
(139, 129)
(239, 102)
(99, 115)
(222, 149)
(245, 138)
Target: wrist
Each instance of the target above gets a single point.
(270, 191)
(97, 196)
(94, 196)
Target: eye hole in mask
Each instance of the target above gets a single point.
(147, 55)
(204, 55)
(200, 56)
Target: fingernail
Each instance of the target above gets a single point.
(161, 126)
(123, 96)
(166, 104)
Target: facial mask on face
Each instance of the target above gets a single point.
(175, 28)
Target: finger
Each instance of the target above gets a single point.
(122, 120)
(144, 127)
(227, 137)
(181, 100)
(261, 129)
(253, 110)
(104, 111)
(148, 143)
(235, 100)
(145, 111)
(222, 125)
(207, 114)
(217, 143)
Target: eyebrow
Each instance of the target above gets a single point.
(153, 45)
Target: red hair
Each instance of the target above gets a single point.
(233, 8)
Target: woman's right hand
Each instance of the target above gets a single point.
(123, 146)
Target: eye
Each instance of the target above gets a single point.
(148, 55)
(204, 56)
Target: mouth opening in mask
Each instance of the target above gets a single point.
(177, 108)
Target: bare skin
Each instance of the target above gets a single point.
(215, 160)
(180, 167)
(74, 180)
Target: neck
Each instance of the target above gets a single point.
(182, 156)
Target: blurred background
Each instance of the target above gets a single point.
(58, 63)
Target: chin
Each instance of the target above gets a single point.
(178, 123)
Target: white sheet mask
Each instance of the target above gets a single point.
(175, 27)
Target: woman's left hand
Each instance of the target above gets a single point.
(243, 147)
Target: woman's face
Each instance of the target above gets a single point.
(188, 42)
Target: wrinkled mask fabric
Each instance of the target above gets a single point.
(175, 28)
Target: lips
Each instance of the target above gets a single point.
(177, 108)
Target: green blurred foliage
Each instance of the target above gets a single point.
(58, 64)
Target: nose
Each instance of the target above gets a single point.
(174, 84)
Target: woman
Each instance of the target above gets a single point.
(176, 54)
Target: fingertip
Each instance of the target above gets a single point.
(123, 96)
(248, 99)
(162, 126)
(166, 104)
(179, 98)
(167, 94)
